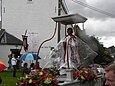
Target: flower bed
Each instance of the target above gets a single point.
(47, 77)
(85, 74)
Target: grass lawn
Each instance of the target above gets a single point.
(7, 79)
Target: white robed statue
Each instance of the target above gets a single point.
(71, 52)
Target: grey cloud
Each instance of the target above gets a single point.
(100, 27)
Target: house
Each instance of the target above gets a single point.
(8, 44)
(17, 16)
(33, 16)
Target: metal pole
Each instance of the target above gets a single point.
(43, 43)
(59, 25)
(1, 16)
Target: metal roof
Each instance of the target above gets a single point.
(70, 19)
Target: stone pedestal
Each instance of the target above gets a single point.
(33, 71)
(67, 77)
(69, 74)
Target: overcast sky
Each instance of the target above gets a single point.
(98, 24)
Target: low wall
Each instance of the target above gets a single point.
(77, 83)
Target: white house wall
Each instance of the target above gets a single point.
(5, 51)
(35, 16)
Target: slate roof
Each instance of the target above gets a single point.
(2, 32)
(8, 39)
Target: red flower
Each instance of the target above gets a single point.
(76, 74)
(84, 74)
(55, 81)
(35, 81)
(40, 77)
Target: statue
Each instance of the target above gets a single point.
(71, 52)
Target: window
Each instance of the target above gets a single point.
(29, 0)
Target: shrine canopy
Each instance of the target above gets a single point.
(70, 19)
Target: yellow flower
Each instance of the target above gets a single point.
(41, 73)
(48, 80)
(30, 81)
